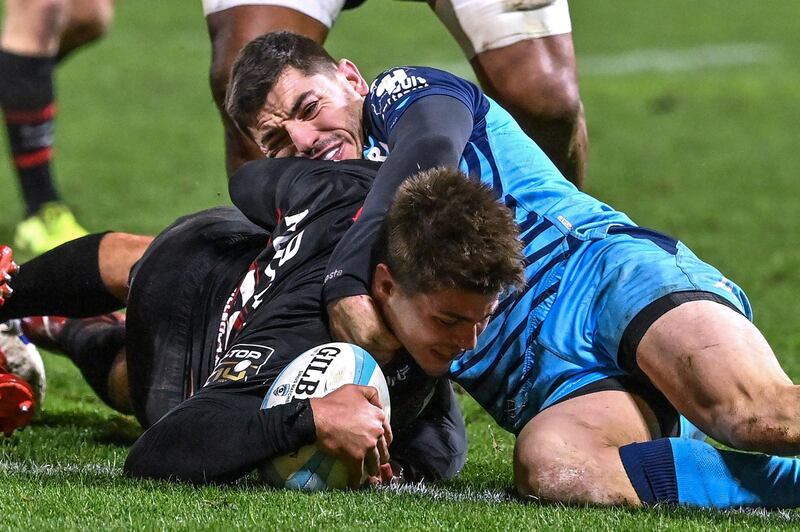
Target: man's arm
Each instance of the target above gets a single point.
(222, 434)
(432, 132)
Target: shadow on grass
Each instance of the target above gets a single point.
(114, 429)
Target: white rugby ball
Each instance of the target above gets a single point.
(316, 373)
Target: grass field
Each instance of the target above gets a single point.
(693, 112)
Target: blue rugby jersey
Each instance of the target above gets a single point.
(553, 215)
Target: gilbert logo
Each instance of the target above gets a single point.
(399, 81)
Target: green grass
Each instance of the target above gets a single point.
(709, 155)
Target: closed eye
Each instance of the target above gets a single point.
(309, 109)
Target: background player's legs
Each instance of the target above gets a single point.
(88, 21)
(717, 369)
(598, 449)
(537, 81)
(230, 30)
(523, 56)
(30, 43)
(95, 345)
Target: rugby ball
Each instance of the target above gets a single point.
(316, 373)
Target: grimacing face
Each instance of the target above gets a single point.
(316, 116)
(435, 327)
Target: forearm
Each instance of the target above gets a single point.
(432, 132)
(217, 437)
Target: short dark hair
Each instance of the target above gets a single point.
(259, 65)
(444, 230)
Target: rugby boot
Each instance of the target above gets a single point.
(49, 227)
(17, 401)
(22, 359)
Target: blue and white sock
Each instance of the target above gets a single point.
(694, 473)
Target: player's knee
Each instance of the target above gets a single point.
(769, 423)
(87, 24)
(549, 468)
(549, 97)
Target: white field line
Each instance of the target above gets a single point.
(432, 492)
(660, 60)
(676, 60)
(439, 493)
(25, 468)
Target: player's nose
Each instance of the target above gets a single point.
(467, 336)
(303, 135)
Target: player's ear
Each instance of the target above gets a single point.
(383, 283)
(350, 71)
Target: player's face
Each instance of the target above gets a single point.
(434, 327)
(316, 116)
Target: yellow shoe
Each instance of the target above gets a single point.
(51, 226)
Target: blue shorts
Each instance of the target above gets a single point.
(611, 290)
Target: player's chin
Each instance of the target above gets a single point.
(434, 363)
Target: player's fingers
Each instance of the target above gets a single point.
(371, 394)
(355, 472)
(372, 462)
(387, 432)
(383, 450)
(387, 474)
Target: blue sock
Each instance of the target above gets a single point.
(694, 473)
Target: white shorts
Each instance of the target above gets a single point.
(481, 25)
(324, 11)
(477, 25)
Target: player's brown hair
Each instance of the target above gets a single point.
(444, 230)
(259, 65)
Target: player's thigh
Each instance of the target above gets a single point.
(569, 452)
(97, 13)
(719, 371)
(177, 291)
(516, 46)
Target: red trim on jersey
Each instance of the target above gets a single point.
(279, 215)
(36, 158)
(358, 213)
(44, 114)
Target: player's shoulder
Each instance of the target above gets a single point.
(401, 80)
(396, 88)
(283, 183)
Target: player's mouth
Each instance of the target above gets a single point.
(331, 153)
(444, 357)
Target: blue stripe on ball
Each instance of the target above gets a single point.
(313, 475)
(365, 367)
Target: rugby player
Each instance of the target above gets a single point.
(36, 35)
(618, 329)
(209, 293)
(522, 54)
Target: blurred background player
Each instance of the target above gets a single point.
(36, 35)
(522, 54)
